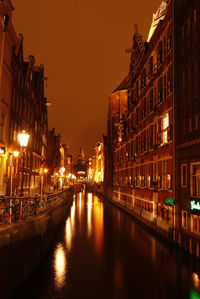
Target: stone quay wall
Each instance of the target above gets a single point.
(24, 243)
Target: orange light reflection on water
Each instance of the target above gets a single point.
(98, 225)
(60, 266)
(89, 213)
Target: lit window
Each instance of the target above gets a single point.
(169, 181)
(195, 180)
(184, 219)
(165, 126)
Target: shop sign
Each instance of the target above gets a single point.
(194, 206)
(2, 150)
(169, 202)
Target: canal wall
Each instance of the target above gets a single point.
(186, 241)
(24, 243)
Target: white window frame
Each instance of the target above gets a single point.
(191, 176)
(165, 125)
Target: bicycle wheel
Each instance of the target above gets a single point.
(5, 217)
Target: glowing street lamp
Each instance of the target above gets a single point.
(62, 169)
(23, 140)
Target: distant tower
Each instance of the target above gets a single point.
(81, 157)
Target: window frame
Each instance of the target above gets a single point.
(182, 180)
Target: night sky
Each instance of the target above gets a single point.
(82, 47)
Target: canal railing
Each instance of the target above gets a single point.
(17, 208)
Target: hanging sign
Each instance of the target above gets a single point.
(169, 202)
(194, 206)
(2, 150)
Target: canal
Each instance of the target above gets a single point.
(100, 252)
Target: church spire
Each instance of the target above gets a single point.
(81, 156)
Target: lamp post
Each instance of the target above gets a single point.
(23, 140)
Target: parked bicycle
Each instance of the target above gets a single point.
(5, 214)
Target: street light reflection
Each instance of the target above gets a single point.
(89, 211)
(98, 226)
(196, 280)
(59, 266)
(68, 234)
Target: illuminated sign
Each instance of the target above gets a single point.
(2, 150)
(195, 206)
(169, 201)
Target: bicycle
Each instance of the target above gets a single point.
(5, 215)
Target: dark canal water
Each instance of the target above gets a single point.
(101, 252)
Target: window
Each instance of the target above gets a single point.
(165, 47)
(165, 87)
(166, 177)
(159, 54)
(155, 172)
(195, 179)
(196, 67)
(184, 219)
(190, 125)
(183, 175)
(188, 24)
(196, 121)
(150, 72)
(2, 124)
(195, 15)
(183, 76)
(183, 31)
(165, 125)
(169, 181)
(160, 90)
(155, 134)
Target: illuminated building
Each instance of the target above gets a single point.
(141, 129)
(53, 156)
(90, 170)
(156, 141)
(28, 112)
(117, 105)
(80, 166)
(100, 158)
(187, 117)
(8, 39)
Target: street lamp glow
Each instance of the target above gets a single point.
(62, 169)
(23, 138)
(16, 154)
(45, 170)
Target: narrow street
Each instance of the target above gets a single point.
(100, 252)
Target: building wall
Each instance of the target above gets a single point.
(117, 105)
(143, 140)
(187, 101)
(8, 39)
(28, 112)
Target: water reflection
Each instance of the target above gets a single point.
(98, 226)
(118, 276)
(59, 266)
(89, 213)
(103, 253)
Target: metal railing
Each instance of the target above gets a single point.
(15, 208)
